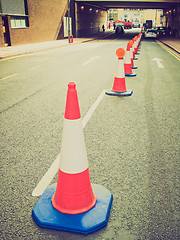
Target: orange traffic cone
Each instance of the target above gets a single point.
(131, 51)
(73, 204)
(135, 44)
(133, 48)
(119, 86)
(127, 62)
(74, 193)
(139, 40)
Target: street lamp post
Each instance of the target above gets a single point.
(69, 21)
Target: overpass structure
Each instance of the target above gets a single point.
(91, 14)
(152, 4)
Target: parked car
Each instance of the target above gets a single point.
(151, 33)
(161, 31)
(119, 27)
(136, 25)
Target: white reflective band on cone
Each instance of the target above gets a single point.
(73, 156)
(127, 59)
(120, 69)
(131, 51)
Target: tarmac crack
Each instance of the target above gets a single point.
(21, 101)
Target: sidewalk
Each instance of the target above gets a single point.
(173, 43)
(6, 52)
(12, 51)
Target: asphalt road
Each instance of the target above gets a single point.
(132, 143)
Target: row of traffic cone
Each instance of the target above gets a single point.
(74, 204)
(124, 67)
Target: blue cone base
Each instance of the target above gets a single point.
(134, 67)
(130, 75)
(47, 216)
(120, 94)
(135, 58)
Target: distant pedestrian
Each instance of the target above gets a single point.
(114, 25)
(169, 30)
(103, 27)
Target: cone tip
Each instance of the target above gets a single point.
(131, 43)
(72, 110)
(71, 85)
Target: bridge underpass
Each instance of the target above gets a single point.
(88, 16)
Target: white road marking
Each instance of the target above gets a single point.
(92, 109)
(158, 61)
(35, 67)
(12, 75)
(49, 175)
(90, 60)
(47, 178)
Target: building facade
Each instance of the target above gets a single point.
(30, 21)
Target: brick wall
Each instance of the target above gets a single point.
(1, 33)
(44, 18)
(44, 21)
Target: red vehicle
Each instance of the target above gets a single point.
(119, 23)
(128, 25)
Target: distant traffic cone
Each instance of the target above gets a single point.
(139, 41)
(72, 39)
(133, 48)
(136, 45)
(131, 51)
(73, 204)
(140, 38)
(119, 86)
(127, 63)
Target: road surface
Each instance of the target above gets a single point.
(132, 143)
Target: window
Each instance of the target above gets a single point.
(19, 22)
(13, 7)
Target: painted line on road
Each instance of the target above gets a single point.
(158, 61)
(92, 109)
(35, 67)
(9, 76)
(90, 60)
(49, 175)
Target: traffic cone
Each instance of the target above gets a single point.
(140, 38)
(127, 63)
(136, 45)
(73, 204)
(72, 39)
(73, 194)
(131, 51)
(139, 41)
(119, 86)
(133, 48)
